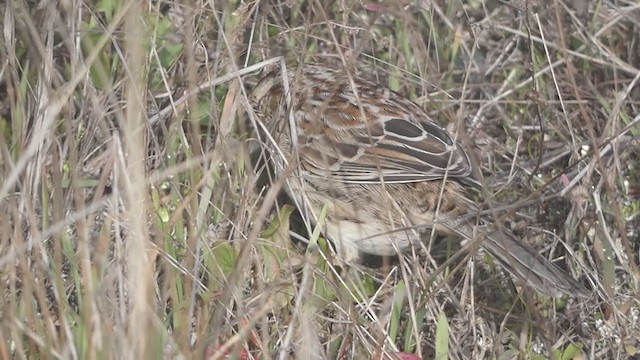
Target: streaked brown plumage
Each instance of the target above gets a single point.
(378, 163)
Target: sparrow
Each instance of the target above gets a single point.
(382, 171)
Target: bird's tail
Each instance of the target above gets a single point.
(525, 263)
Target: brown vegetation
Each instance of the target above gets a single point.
(134, 222)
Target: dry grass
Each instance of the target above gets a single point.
(135, 224)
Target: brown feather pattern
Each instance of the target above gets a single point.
(381, 166)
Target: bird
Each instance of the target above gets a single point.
(382, 171)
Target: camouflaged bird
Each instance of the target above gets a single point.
(385, 171)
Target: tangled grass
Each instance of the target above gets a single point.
(137, 224)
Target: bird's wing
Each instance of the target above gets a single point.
(386, 137)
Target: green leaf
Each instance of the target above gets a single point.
(410, 340)
(221, 260)
(108, 8)
(442, 337)
(396, 310)
(572, 351)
